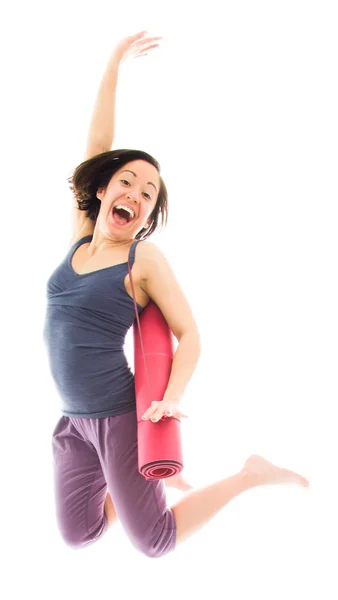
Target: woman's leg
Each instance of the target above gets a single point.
(140, 505)
(199, 506)
(176, 481)
(79, 484)
(152, 527)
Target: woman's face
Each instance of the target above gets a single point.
(135, 186)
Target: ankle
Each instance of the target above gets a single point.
(251, 479)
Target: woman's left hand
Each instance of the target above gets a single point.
(163, 409)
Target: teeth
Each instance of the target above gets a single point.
(131, 212)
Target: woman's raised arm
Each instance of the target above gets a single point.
(102, 126)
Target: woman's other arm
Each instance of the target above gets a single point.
(161, 285)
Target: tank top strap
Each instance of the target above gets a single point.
(132, 250)
(76, 245)
(83, 240)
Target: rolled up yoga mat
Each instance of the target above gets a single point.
(159, 444)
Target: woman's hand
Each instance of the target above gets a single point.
(162, 410)
(134, 46)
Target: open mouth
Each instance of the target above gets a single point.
(122, 216)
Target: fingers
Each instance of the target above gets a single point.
(163, 410)
(140, 35)
(139, 50)
(135, 46)
(142, 44)
(142, 50)
(148, 40)
(137, 35)
(159, 417)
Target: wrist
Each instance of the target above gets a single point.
(172, 398)
(114, 62)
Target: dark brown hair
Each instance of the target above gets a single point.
(96, 173)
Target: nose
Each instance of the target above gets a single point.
(133, 196)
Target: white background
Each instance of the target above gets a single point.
(239, 105)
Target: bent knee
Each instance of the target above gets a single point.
(160, 540)
(77, 538)
(156, 550)
(73, 542)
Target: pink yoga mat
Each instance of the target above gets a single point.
(159, 444)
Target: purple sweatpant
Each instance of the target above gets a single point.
(91, 455)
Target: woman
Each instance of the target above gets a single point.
(120, 199)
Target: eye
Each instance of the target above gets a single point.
(144, 193)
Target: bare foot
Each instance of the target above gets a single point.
(178, 482)
(266, 472)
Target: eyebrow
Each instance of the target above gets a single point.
(132, 172)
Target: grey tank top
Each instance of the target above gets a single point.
(86, 322)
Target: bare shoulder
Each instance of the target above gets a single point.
(159, 282)
(148, 252)
(152, 262)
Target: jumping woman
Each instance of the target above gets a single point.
(120, 199)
